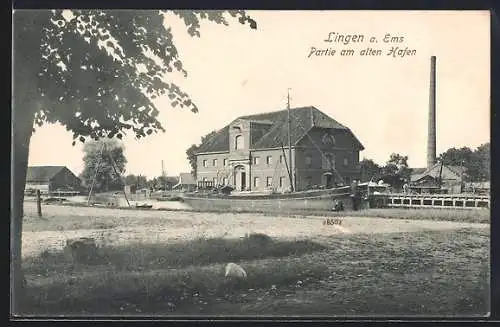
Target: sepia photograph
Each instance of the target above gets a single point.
(245, 163)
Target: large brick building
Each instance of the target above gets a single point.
(251, 153)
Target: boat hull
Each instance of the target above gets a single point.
(296, 202)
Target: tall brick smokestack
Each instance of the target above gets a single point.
(431, 137)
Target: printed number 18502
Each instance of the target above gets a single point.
(332, 221)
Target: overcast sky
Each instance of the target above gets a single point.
(234, 71)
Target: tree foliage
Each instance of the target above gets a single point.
(98, 163)
(163, 182)
(476, 162)
(140, 181)
(456, 157)
(193, 149)
(96, 72)
(106, 65)
(481, 169)
(156, 183)
(395, 171)
(130, 179)
(397, 165)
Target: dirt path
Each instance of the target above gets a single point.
(194, 224)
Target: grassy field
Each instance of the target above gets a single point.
(366, 266)
(457, 215)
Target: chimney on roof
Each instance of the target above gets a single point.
(431, 137)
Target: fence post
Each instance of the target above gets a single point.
(39, 203)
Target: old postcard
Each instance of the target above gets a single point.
(251, 163)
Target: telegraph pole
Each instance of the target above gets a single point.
(292, 186)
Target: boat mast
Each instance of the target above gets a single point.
(96, 172)
(292, 188)
(119, 175)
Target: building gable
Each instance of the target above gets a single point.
(186, 179)
(449, 173)
(67, 172)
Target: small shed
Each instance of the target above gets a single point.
(438, 178)
(186, 182)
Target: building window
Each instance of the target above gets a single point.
(281, 159)
(308, 161)
(328, 161)
(309, 181)
(282, 181)
(269, 181)
(346, 161)
(238, 143)
(256, 160)
(205, 179)
(225, 162)
(215, 162)
(225, 180)
(256, 182)
(328, 139)
(269, 160)
(204, 163)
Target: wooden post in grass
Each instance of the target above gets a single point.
(39, 203)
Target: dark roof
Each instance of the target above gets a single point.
(42, 173)
(218, 142)
(301, 123)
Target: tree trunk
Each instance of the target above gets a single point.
(25, 102)
(22, 128)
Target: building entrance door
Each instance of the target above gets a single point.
(243, 180)
(328, 180)
(240, 178)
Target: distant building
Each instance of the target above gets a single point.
(425, 180)
(170, 182)
(186, 182)
(51, 179)
(251, 152)
(130, 189)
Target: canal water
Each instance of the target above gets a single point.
(122, 202)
